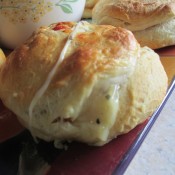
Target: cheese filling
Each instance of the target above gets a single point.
(51, 74)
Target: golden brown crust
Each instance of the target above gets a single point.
(145, 80)
(90, 4)
(2, 58)
(42, 50)
(99, 79)
(87, 14)
(158, 36)
(133, 15)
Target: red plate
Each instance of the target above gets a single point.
(113, 158)
(9, 125)
(79, 158)
(167, 51)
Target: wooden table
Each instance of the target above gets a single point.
(169, 66)
(157, 150)
(167, 56)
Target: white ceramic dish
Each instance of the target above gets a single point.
(19, 18)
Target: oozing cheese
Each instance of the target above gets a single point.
(51, 74)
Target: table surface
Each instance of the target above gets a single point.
(169, 66)
(156, 155)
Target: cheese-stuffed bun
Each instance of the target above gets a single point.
(83, 82)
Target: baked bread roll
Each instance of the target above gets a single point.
(147, 19)
(88, 8)
(158, 36)
(82, 82)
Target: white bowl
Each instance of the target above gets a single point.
(19, 18)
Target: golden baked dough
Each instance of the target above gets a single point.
(157, 36)
(133, 14)
(82, 82)
(91, 3)
(151, 21)
(2, 57)
(87, 14)
(88, 8)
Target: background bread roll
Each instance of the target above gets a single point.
(88, 8)
(133, 14)
(146, 18)
(157, 36)
(101, 83)
(2, 57)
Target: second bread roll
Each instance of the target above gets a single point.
(151, 21)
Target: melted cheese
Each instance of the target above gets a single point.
(51, 74)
